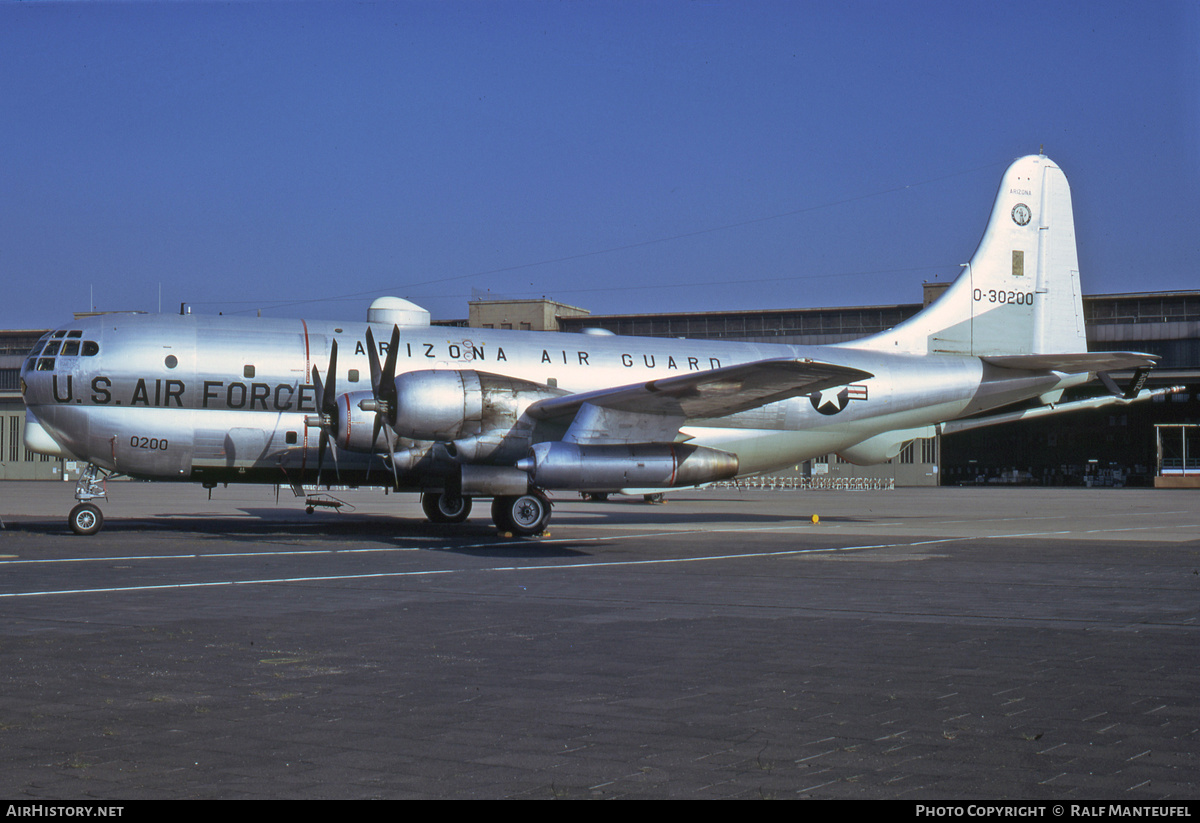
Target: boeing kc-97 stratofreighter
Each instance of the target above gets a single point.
(456, 414)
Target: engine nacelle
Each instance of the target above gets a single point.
(355, 426)
(560, 465)
(479, 413)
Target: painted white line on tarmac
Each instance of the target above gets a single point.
(434, 572)
(524, 568)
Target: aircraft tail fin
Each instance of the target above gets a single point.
(1020, 293)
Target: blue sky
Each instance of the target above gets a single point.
(300, 159)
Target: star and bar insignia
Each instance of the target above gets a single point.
(832, 401)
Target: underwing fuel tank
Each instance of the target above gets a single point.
(561, 465)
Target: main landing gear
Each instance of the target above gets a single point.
(445, 507)
(525, 515)
(86, 518)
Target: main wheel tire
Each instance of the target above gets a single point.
(86, 519)
(440, 507)
(524, 515)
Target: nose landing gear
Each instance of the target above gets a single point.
(86, 518)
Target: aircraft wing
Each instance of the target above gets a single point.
(1079, 363)
(699, 395)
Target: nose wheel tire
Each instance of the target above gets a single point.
(440, 507)
(525, 515)
(86, 519)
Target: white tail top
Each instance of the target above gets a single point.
(1020, 292)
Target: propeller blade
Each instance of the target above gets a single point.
(389, 366)
(387, 394)
(374, 434)
(376, 428)
(327, 410)
(387, 381)
(320, 390)
(337, 471)
(391, 436)
(373, 357)
(329, 402)
(383, 388)
(321, 454)
(325, 442)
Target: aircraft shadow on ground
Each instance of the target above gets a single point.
(259, 519)
(660, 515)
(477, 536)
(323, 529)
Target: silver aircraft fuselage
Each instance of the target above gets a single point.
(221, 399)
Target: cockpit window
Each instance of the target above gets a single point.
(61, 343)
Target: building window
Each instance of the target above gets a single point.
(14, 438)
(929, 450)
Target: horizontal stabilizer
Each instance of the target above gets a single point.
(1078, 363)
(714, 393)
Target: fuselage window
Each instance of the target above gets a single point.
(90, 348)
(248, 371)
(353, 376)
